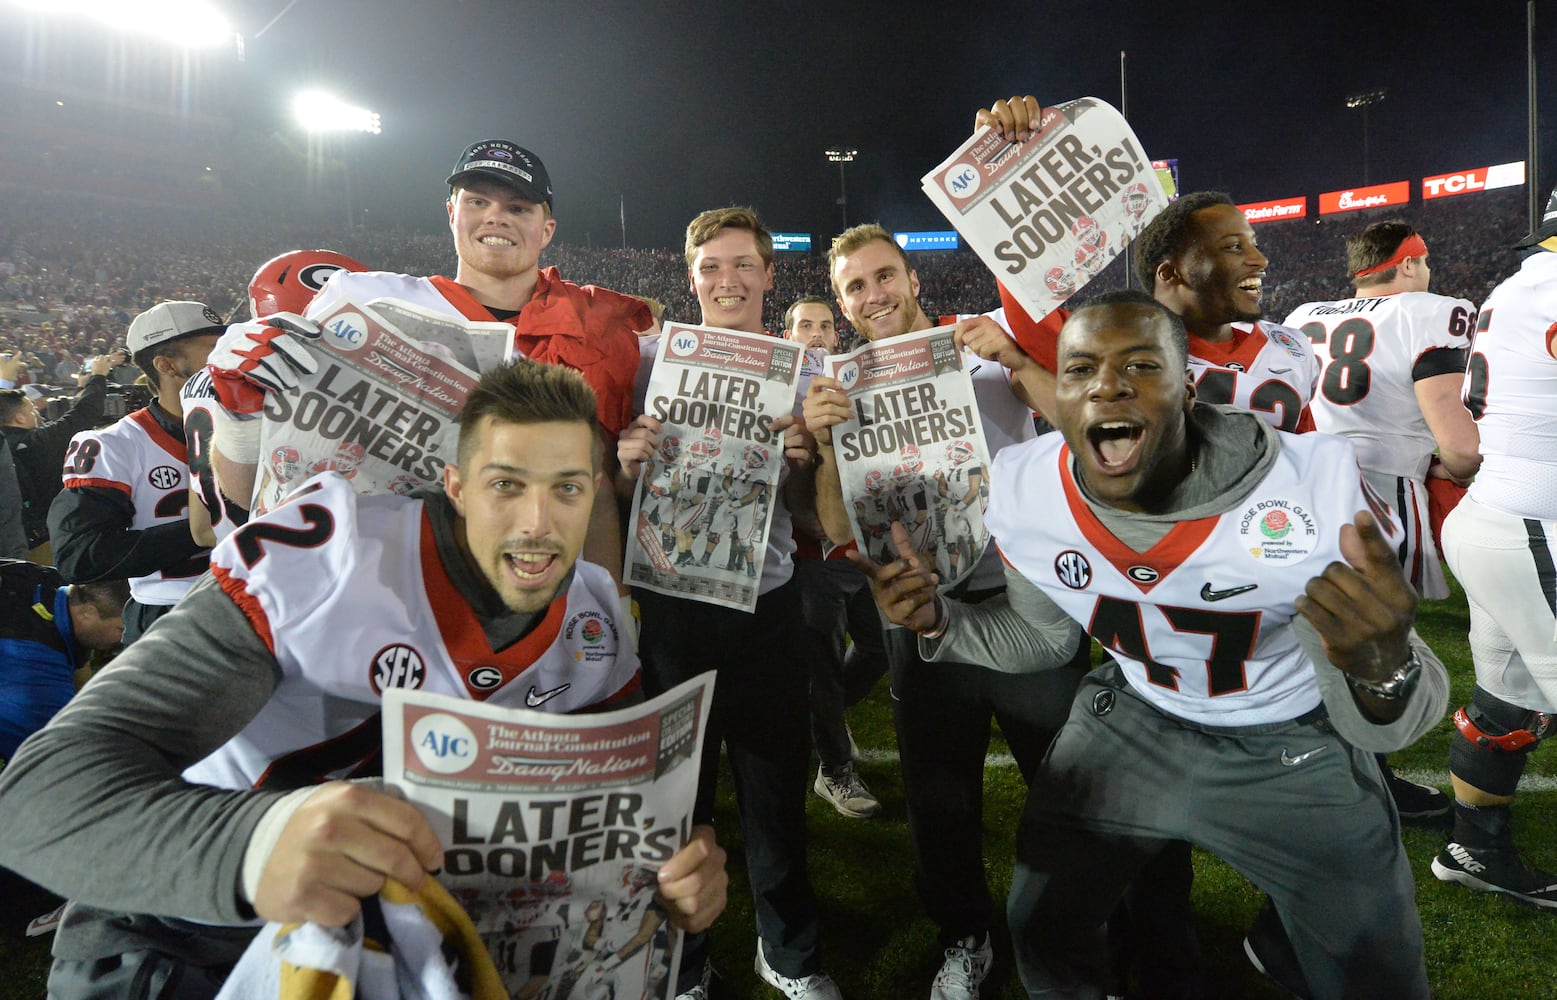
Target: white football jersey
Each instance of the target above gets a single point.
(1200, 622)
(1509, 391)
(199, 401)
(1267, 369)
(137, 457)
(1369, 350)
(350, 595)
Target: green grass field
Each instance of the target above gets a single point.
(879, 945)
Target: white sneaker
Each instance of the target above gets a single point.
(847, 793)
(967, 963)
(817, 986)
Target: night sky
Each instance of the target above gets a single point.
(677, 107)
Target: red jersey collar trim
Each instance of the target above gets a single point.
(160, 437)
(462, 633)
(1242, 349)
(461, 299)
(1167, 555)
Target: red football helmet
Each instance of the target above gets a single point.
(1060, 281)
(289, 282)
(1089, 232)
(287, 463)
(755, 456)
(958, 452)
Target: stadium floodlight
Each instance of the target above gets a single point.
(842, 155)
(1365, 99)
(317, 111)
(188, 23)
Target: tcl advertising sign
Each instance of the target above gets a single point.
(1470, 181)
(1377, 196)
(1271, 211)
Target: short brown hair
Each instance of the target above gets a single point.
(852, 239)
(528, 392)
(708, 224)
(1372, 247)
(805, 300)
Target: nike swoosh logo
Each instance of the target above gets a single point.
(535, 699)
(1279, 371)
(1207, 594)
(1287, 760)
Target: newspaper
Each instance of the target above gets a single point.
(382, 408)
(1048, 214)
(913, 451)
(704, 503)
(554, 827)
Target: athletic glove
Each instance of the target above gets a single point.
(261, 356)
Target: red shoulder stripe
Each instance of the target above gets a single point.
(247, 603)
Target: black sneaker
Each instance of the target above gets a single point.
(1417, 803)
(1496, 869)
(1270, 952)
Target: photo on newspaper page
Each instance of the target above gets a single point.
(554, 829)
(1048, 214)
(704, 504)
(382, 408)
(913, 451)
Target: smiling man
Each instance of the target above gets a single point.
(1201, 259)
(943, 712)
(1262, 631)
(197, 755)
(500, 215)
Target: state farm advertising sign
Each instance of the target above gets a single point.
(1272, 211)
(1377, 196)
(1491, 178)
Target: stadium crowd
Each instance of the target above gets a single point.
(68, 289)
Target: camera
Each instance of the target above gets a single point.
(126, 399)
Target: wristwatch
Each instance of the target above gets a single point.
(1397, 685)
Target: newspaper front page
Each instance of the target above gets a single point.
(554, 828)
(913, 451)
(704, 504)
(1048, 214)
(382, 409)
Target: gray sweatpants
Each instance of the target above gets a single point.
(1290, 806)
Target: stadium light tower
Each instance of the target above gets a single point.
(842, 155)
(1365, 99)
(321, 115)
(190, 23)
(317, 111)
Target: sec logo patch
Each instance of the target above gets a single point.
(397, 666)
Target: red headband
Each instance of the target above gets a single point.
(1411, 246)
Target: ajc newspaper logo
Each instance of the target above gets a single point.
(962, 180)
(347, 332)
(848, 375)
(443, 744)
(683, 344)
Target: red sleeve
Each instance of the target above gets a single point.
(1038, 339)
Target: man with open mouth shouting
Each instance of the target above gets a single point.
(1245, 583)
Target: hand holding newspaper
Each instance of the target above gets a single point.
(382, 406)
(913, 451)
(703, 505)
(554, 827)
(1048, 214)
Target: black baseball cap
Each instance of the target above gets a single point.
(1548, 227)
(508, 162)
